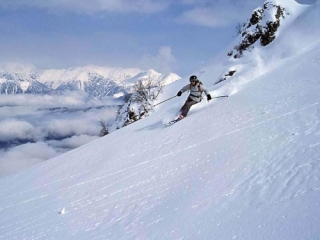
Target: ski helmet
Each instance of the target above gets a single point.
(193, 78)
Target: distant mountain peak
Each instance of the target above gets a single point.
(17, 68)
(97, 81)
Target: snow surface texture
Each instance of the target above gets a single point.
(243, 167)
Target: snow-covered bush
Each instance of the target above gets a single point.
(104, 129)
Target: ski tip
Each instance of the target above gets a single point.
(171, 122)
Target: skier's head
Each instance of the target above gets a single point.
(193, 78)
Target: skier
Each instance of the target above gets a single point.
(196, 88)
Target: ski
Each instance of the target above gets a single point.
(172, 122)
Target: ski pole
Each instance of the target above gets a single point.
(201, 72)
(164, 101)
(221, 96)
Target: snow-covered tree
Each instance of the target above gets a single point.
(139, 104)
(104, 129)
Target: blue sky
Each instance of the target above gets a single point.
(166, 35)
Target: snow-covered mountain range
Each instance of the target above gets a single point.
(97, 81)
(244, 167)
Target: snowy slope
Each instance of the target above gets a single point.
(244, 167)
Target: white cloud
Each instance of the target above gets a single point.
(24, 156)
(69, 99)
(217, 13)
(90, 7)
(203, 17)
(18, 68)
(35, 117)
(194, 2)
(23, 120)
(68, 127)
(21, 104)
(11, 129)
(72, 142)
(164, 61)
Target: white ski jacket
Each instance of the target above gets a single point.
(195, 91)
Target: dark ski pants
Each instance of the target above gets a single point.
(186, 107)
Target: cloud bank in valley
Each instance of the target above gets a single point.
(35, 128)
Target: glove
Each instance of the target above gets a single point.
(209, 97)
(179, 93)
